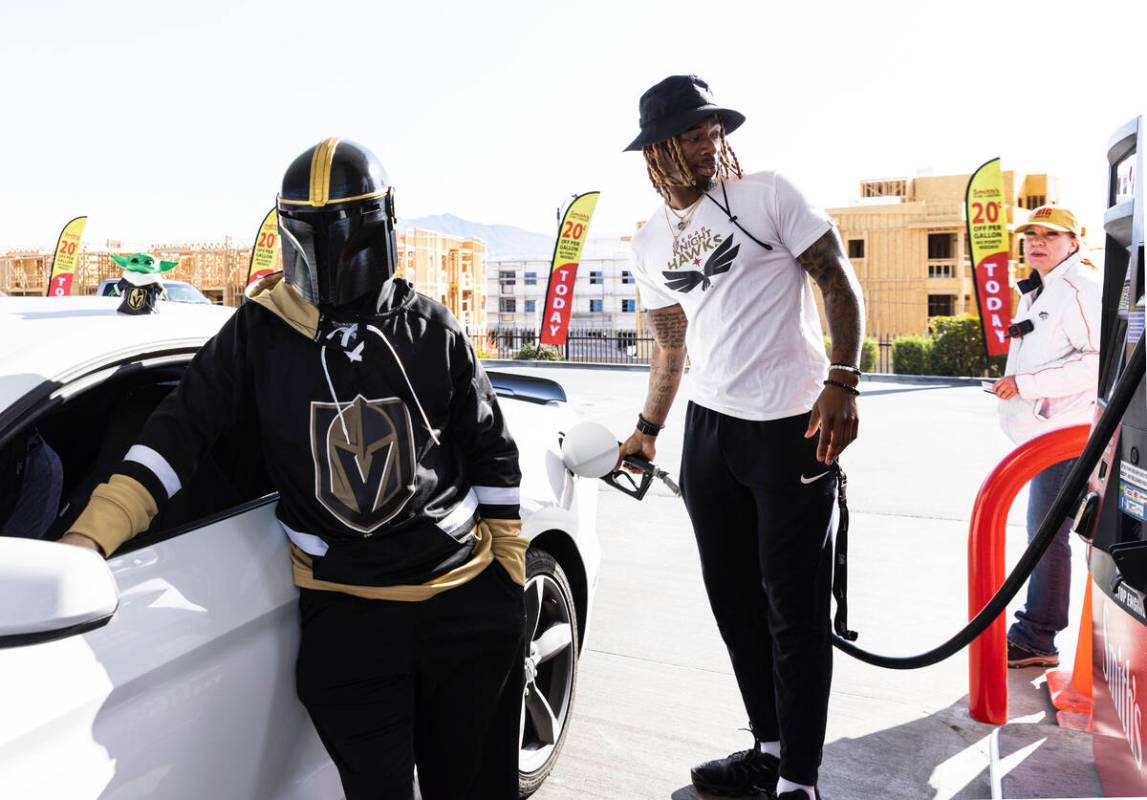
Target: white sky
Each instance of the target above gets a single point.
(165, 121)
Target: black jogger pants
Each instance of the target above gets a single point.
(762, 509)
(390, 684)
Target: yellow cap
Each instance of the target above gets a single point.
(1054, 217)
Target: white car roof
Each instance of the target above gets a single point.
(59, 338)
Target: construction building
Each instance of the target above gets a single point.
(449, 269)
(907, 240)
(446, 268)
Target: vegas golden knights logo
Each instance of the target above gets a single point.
(364, 465)
(136, 298)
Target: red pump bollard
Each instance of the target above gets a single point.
(988, 652)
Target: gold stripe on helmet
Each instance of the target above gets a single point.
(321, 162)
(330, 200)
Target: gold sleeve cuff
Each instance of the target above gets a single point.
(117, 511)
(509, 546)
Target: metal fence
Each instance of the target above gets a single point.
(584, 344)
(605, 346)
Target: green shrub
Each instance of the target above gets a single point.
(911, 354)
(957, 346)
(868, 353)
(538, 352)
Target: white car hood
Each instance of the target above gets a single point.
(57, 338)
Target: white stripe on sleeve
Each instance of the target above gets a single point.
(151, 459)
(498, 495)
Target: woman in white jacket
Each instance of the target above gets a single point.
(1049, 383)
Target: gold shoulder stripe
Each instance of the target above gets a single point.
(321, 161)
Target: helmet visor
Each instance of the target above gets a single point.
(336, 257)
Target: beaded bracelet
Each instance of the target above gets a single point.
(850, 389)
(847, 368)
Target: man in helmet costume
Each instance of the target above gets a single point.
(398, 485)
(722, 266)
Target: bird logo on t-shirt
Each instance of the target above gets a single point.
(720, 261)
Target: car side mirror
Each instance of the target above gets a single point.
(51, 591)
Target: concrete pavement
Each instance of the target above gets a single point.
(656, 692)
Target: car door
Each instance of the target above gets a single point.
(188, 691)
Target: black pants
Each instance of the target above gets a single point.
(389, 684)
(762, 512)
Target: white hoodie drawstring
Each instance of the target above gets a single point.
(402, 369)
(331, 386)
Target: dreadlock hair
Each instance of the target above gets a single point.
(670, 152)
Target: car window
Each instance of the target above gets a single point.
(87, 437)
(177, 293)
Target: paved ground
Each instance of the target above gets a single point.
(656, 691)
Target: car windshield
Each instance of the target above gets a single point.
(182, 293)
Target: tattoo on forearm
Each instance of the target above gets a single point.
(668, 326)
(668, 362)
(825, 261)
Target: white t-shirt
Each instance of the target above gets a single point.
(755, 343)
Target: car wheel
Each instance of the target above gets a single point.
(551, 669)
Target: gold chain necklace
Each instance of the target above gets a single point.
(683, 218)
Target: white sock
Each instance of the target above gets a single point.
(772, 748)
(785, 785)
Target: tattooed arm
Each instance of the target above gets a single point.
(665, 371)
(835, 409)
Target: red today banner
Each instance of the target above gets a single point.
(995, 301)
(988, 236)
(572, 234)
(559, 304)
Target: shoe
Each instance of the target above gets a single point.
(744, 772)
(798, 794)
(1020, 657)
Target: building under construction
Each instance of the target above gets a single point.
(907, 240)
(447, 268)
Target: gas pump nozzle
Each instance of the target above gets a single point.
(590, 450)
(648, 472)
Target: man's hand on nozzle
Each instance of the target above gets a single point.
(638, 444)
(79, 540)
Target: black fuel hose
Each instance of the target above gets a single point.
(1068, 495)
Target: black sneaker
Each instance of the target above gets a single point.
(1020, 657)
(743, 772)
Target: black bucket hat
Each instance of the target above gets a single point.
(674, 106)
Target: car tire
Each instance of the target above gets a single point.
(551, 664)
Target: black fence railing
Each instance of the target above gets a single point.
(605, 346)
(583, 344)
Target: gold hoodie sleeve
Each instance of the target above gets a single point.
(117, 511)
(509, 546)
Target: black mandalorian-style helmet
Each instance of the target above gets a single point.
(337, 223)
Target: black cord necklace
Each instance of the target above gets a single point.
(732, 218)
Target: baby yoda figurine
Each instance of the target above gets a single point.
(140, 285)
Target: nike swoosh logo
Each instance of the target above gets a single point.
(814, 478)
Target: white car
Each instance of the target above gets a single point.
(177, 291)
(168, 670)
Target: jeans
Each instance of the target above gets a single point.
(1045, 612)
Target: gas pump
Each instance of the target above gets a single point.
(1113, 516)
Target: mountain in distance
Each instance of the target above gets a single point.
(507, 241)
(501, 240)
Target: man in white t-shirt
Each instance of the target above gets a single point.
(722, 266)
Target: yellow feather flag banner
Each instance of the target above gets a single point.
(266, 250)
(64, 261)
(563, 268)
(988, 233)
